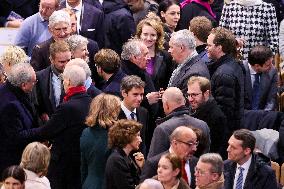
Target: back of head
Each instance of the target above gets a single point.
(247, 138)
(215, 160)
(226, 39)
(13, 55)
(58, 47)
(201, 27)
(185, 38)
(131, 48)
(82, 63)
(20, 73)
(75, 74)
(259, 55)
(180, 131)
(59, 16)
(15, 172)
(36, 158)
(151, 184)
(75, 41)
(108, 60)
(174, 96)
(131, 81)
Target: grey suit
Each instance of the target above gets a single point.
(194, 67)
(268, 89)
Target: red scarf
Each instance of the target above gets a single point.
(74, 90)
(206, 5)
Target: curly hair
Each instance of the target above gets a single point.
(13, 55)
(108, 60)
(123, 132)
(155, 22)
(226, 39)
(104, 111)
(201, 26)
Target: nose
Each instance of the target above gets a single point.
(228, 149)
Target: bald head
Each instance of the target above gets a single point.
(151, 184)
(184, 133)
(172, 99)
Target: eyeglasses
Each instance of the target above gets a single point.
(190, 144)
(199, 171)
(192, 95)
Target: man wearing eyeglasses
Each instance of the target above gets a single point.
(183, 143)
(204, 107)
(177, 114)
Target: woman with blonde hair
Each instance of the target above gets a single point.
(159, 66)
(103, 113)
(12, 55)
(35, 161)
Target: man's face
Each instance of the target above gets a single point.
(60, 60)
(185, 145)
(73, 24)
(175, 51)
(212, 49)
(60, 31)
(235, 150)
(195, 95)
(141, 60)
(133, 98)
(28, 86)
(265, 67)
(46, 8)
(203, 175)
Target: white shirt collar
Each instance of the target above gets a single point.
(252, 72)
(126, 111)
(246, 164)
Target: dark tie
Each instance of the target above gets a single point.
(256, 91)
(132, 115)
(240, 178)
(183, 171)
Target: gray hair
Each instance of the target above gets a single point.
(215, 160)
(75, 41)
(131, 48)
(20, 73)
(151, 184)
(75, 74)
(184, 37)
(82, 63)
(59, 16)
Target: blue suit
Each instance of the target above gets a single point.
(268, 89)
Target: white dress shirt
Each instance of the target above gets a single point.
(128, 112)
(246, 166)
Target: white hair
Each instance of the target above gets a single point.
(151, 184)
(82, 63)
(131, 48)
(59, 16)
(75, 74)
(20, 73)
(75, 41)
(184, 37)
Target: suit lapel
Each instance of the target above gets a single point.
(51, 91)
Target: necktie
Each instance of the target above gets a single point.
(256, 91)
(239, 184)
(183, 171)
(132, 115)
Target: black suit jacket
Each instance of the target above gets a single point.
(91, 20)
(64, 128)
(260, 174)
(151, 166)
(143, 118)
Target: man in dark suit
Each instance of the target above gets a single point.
(49, 88)
(108, 67)
(17, 114)
(261, 80)
(183, 144)
(64, 129)
(182, 49)
(132, 91)
(89, 20)
(244, 168)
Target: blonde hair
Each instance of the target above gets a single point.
(155, 22)
(36, 158)
(104, 111)
(13, 55)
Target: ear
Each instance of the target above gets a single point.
(163, 14)
(215, 176)
(247, 151)
(123, 93)
(176, 171)
(207, 94)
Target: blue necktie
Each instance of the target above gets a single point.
(239, 184)
(132, 115)
(256, 92)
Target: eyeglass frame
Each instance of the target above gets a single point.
(190, 144)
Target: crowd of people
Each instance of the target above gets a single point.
(138, 94)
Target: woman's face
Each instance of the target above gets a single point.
(165, 171)
(149, 36)
(172, 15)
(81, 52)
(135, 143)
(11, 183)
